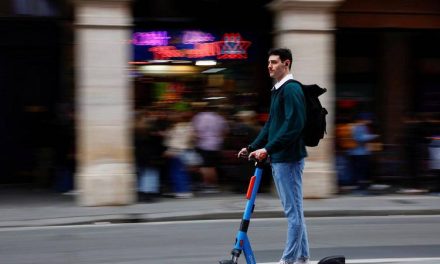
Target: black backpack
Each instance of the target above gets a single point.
(315, 126)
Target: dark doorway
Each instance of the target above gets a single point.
(36, 102)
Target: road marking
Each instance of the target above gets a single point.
(379, 260)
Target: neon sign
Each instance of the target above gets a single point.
(232, 47)
(191, 45)
(199, 51)
(154, 38)
(192, 37)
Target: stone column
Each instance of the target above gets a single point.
(105, 172)
(307, 28)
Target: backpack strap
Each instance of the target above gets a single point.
(291, 81)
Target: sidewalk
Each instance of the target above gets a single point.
(44, 209)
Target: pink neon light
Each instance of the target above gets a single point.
(193, 37)
(153, 38)
(231, 47)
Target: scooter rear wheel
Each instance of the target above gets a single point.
(339, 259)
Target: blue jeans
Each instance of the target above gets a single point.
(288, 181)
(178, 175)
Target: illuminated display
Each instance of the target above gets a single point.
(192, 37)
(233, 47)
(199, 51)
(163, 45)
(154, 38)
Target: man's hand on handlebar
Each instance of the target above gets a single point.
(243, 153)
(259, 154)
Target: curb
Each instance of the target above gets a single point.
(150, 218)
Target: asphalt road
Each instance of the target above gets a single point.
(401, 239)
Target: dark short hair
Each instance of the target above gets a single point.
(283, 53)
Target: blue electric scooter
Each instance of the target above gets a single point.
(242, 243)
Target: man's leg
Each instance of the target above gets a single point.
(288, 181)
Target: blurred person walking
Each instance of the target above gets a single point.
(211, 129)
(434, 151)
(179, 141)
(242, 127)
(344, 142)
(360, 154)
(149, 148)
(434, 162)
(413, 144)
(281, 138)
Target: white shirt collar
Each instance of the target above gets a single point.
(285, 79)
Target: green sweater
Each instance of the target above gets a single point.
(281, 136)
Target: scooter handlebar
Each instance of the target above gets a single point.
(258, 163)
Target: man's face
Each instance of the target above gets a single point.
(277, 69)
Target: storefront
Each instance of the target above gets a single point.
(183, 70)
(388, 67)
(181, 67)
(224, 42)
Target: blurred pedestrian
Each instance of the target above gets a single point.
(211, 129)
(65, 162)
(149, 148)
(413, 142)
(281, 138)
(179, 142)
(434, 162)
(360, 154)
(344, 142)
(434, 151)
(243, 126)
(246, 125)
